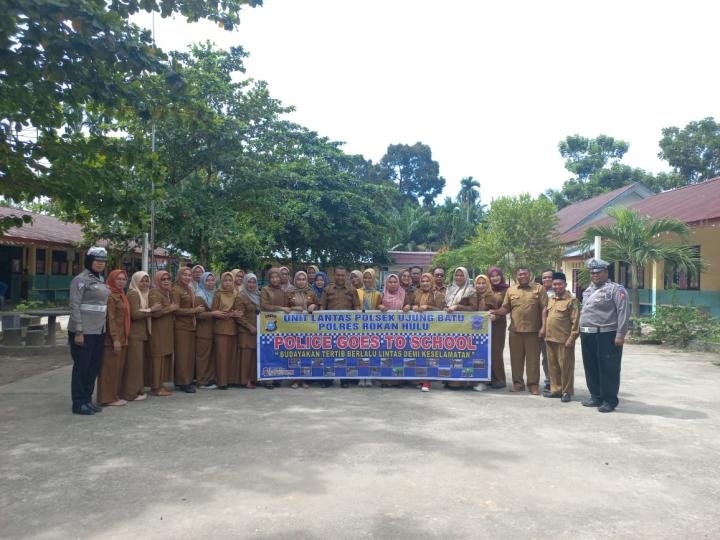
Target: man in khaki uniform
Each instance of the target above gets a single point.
(439, 277)
(561, 327)
(525, 302)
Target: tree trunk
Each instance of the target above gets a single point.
(635, 309)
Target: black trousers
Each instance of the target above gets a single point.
(601, 359)
(86, 365)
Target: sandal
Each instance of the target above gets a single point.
(294, 386)
(305, 385)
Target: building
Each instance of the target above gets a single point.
(39, 259)
(697, 205)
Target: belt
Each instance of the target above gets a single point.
(595, 330)
(93, 307)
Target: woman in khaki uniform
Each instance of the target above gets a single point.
(426, 298)
(116, 340)
(248, 305)
(161, 338)
(499, 327)
(460, 294)
(274, 298)
(184, 330)
(133, 386)
(205, 363)
(300, 299)
(225, 330)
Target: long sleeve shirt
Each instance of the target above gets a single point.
(606, 308)
(88, 303)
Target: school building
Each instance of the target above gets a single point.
(698, 206)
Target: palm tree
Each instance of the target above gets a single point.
(468, 194)
(639, 240)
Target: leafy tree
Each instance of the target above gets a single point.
(640, 240)
(584, 157)
(469, 197)
(413, 170)
(693, 152)
(63, 61)
(517, 231)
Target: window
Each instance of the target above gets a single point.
(59, 263)
(681, 278)
(39, 262)
(624, 278)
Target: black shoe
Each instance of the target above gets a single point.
(344, 385)
(325, 384)
(95, 408)
(269, 386)
(188, 388)
(546, 393)
(566, 398)
(591, 403)
(497, 385)
(606, 407)
(222, 387)
(83, 409)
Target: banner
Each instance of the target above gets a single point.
(433, 345)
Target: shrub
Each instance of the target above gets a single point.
(678, 325)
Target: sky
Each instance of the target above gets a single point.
(491, 87)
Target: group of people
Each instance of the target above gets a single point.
(200, 331)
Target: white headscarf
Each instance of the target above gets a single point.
(455, 293)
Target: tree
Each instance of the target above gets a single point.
(693, 152)
(413, 170)
(597, 168)
(640, 240)
(469, 196)
(517, 231)
(64, 61)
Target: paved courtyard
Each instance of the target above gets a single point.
(369, 463)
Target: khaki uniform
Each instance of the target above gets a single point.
(247, 343)
(339, 298)
(161, 341)
(109, 387)
(273, 299)
(525, 305)
(138, 349)
(227, 367)
(184, 334)
(204, 361)
(435, 299)
(562, 323)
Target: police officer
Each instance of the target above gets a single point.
(603, 324)
(86, 329)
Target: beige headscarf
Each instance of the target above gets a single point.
(455, 293)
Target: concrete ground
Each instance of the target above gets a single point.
(369, 463)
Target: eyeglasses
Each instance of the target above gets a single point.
(439, 275)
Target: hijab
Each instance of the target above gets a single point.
(500, 286)
(314, 268)
(425, 298)
(203, 292)
(394, 300)
(189, 287)
(298, 293)
(359, 274)
(227, 298)
(318, 291)
(368, 295)
(144, 301)
(235, 272)
(285, 286)
(114, 289)
(253, 296)
(158, 276)
(456, 293)
(195, 284)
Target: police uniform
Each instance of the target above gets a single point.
(561, 325)
(605, 315)
(525, 304)
(543, 349)
(339, 298)
(88, 305)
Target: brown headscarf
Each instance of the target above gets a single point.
(117, 291)
(227, 298)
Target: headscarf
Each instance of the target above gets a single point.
(423, 298)
(203, 292)
(189, 288)
(500, 286)
(285, 286)
(368, 295)
(158, 276)
(318, 291)
(144, 300)
(317, 269)
(394, 300)
(482, 276)
(235, 272)
(253, 296)
(193, 283)
(357, 273)
(300, 293)
(455, 293)
(227, 298)
(114, 289)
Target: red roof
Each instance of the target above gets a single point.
(44, 230)
(693, 205)
(571, 215)
(413, 258)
